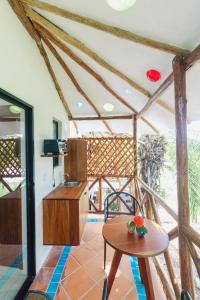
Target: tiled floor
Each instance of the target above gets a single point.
(12, 274)
(77, 272)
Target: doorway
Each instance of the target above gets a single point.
(17, 209)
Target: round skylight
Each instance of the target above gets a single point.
(108, 107)
(79, 104)
(120, 5)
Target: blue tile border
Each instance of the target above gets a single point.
(141, 292)
(58, 271)
(57, 275)
(95, 220)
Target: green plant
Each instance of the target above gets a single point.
(193, 171)
(151, 156)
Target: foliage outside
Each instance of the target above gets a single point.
(157, 160)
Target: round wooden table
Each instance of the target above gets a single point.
(155, 242)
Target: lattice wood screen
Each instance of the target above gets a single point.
(10, 163)
(110, 156)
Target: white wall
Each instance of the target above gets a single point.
(24, 74)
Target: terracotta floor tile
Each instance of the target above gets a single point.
(132, 295)
(125, 268)
(83, 276)
(88, 236)
(120, 287)
(77, 284)
(82, 254)
(70, 267)
(96, 244)
(93, 294)
(61, 295)
(42, 280)
(94, 268)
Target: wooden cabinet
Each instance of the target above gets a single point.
(76, 160)
(10, 218)
(64, 215)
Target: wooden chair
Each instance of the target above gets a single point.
(36, 295)
(185, 295)
(119, 203)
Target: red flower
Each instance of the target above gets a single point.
(138, 221)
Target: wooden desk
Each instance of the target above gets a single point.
(115, 233)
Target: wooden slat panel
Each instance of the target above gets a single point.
(110, 156)
(10, 163)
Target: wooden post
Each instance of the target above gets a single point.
(182, 170)
(134, 187)
(100, 194)
(135, 143)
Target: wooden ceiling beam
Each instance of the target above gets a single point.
(7, 119)
(116, 31)
(168, 81)
(20, 12)
(73, 79)
(18, 8)
(47, 35)
(121, 117)
(191, 58)
(60, 33)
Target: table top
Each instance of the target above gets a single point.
(155, 242)
(67, 193)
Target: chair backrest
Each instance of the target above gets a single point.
(36, 295)
(120, 203)
(185, 295)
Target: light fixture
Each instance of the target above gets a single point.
(79, 104)
(120, 5)
(153, 75)
(15, 109)
(108, 107)
(128, 91)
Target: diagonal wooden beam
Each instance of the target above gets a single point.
(57, 85)
(116, 31)
(73, 79)
(20, 12)
(18, 8)
(47, 35)
(192, 58)
(33, 32)
(56, 31)
(120, 117)
(60, 33)
(168, 81)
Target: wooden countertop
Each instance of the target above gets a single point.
(67, 193)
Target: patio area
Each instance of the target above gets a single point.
(77, 272)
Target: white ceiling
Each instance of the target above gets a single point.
(175, 22)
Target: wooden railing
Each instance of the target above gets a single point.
(108, 158)
(149, 201)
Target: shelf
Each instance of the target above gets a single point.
(53, 155)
